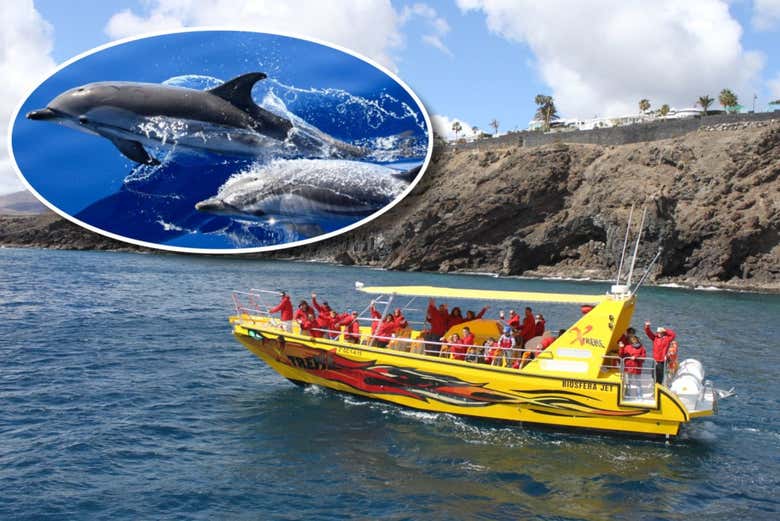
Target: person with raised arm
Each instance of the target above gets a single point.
(321, 308)
(661, 340)
(437, 317)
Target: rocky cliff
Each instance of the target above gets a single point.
(712, 200)
(49, 230)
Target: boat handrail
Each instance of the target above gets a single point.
(333, 334)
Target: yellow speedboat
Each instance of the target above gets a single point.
(578, 381)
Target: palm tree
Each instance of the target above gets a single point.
(727, 99)
(704, 102)
(475, 131)
(494, 124)
(644, 105)
(546, 111)
(456, 127)
(664, 110)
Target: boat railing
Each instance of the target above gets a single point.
(505, 357)
(638, 379)
(253, 303)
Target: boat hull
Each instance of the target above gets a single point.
(455, 387)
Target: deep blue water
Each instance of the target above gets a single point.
(124, 396)
(312, 85)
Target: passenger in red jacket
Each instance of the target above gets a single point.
(285, 309)
(310, 326)
(528, 330)
(376, 317)
(633, 354)
(539, 326)
(661, 340)
(303, 310)
(324, 308)
(455, 318)
(471, 316)
(468, 337)
(385, 330)
(457, 347)
(325, 322)
(352, 328)
(398, 316)
(438, 319)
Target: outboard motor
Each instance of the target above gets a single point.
(688, 383)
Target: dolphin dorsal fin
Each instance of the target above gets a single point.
(238, 91)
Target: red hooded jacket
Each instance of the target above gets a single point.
(438, 320)
(629, 350)
(660, 343)
(285, 307)
(529, 327)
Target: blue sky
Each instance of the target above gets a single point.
(474, 60)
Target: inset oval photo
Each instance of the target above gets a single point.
(220, 140)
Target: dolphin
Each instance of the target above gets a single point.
(224, 120)
(309, 190)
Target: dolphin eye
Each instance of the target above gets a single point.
(83, 119)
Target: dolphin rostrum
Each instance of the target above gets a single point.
(224, 119)
(309, 190)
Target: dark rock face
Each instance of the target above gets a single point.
(560, 210)
(49, 230)
(712, 200)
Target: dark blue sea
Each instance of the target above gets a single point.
(123, 396)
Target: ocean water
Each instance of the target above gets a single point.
(124, 396)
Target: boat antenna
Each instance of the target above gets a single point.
(647, 271)
(636, 246)
(625, 243)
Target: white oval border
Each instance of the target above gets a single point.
(224, 251)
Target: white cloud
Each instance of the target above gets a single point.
(437, 26)
(602, 57)
(766, 14)
(25, 58)
(370, 28)
(442, 126)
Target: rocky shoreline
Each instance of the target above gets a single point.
(558, 211)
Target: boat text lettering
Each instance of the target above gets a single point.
(588, 386)
(311, 362)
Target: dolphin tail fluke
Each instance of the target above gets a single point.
(134, 150)
(238, 92)
(408, 175)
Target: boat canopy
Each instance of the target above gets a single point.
(481, 294)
